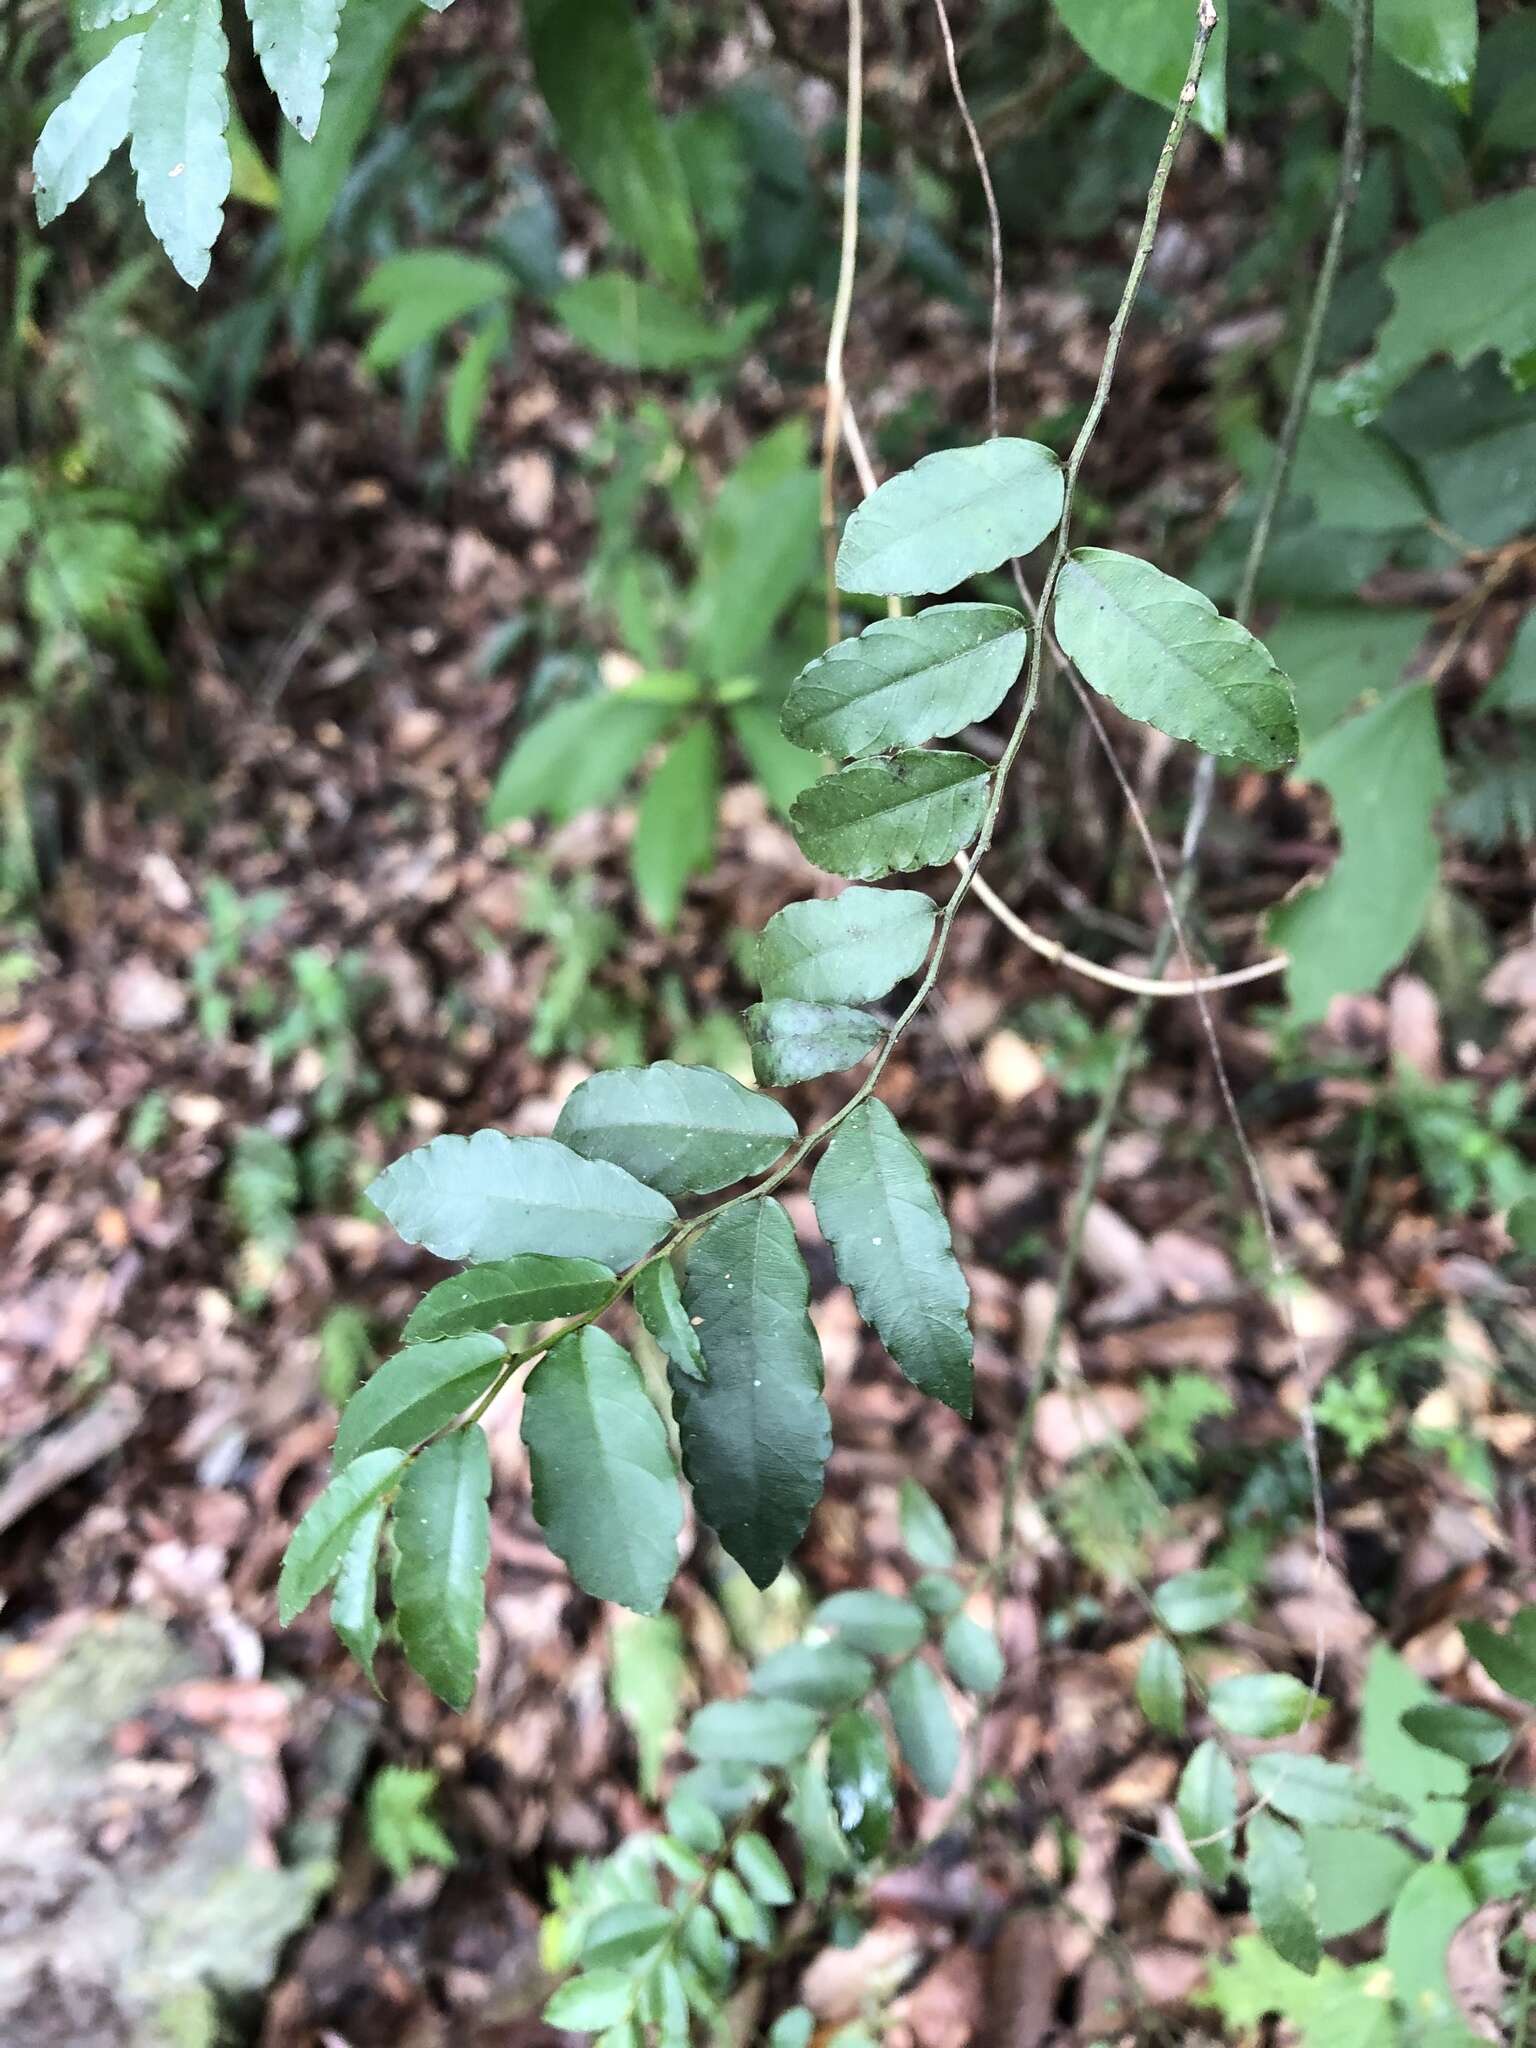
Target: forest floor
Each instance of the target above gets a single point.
(166, 1346)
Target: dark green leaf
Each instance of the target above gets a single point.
(925, 1727)
(879, 1624)
(1262, 1705)
(311, 174)
(638, 326)
(295, 41)
(675, 827)
(913, 809)
(660, 1305)
(794, 1042)
(415, 1393)
(938, 1595)
(1145, 45)
(464, 401)
(442, 1536)
(1280, 1892)
(320, 1542)
(578, 757)
(761, 1869)
(973, 1654)
(924, 1530)
(1162, 653)
(877, 1208)
(84, 129)
(604, 1491)
(757, 1435)
(1194, 1601)
(1466, 1733)
(859, 1781)
(1160, 1686)
(954, 515)
(816, 1674)
(772, 1733)
(1435, 39)
(1509, 1658)
(1309, 1789)
(590, 61)
(354, 1601)
(494, 1197)
(683, 1130)
(903, 681)
(851, 948)
(532, 1289)
(1207, 1808)
(1447, 300)
(179, 114)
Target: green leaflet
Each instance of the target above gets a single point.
(878, 1624)
(925, 1728)
(320, 1542)
(638, 326)
(577, 758)
(878, 1211)
(757, 1435)
(84, 129)
(532, 1289)
(1263, 1704)
(924, 1531)
(422, 292)
(851, 948)
(179, 114)
(1355, 1877)
(590, 2003)
(955, 514)
(794, 1042)
(442, 1536)
(1354, 477)
(1384, 770)
(1280, 1892)
(859, 1781)
(1433, 1785)
(1468, 1734)
(1468, 284)
(295, 41)
(354, 1601)
(903, 681)
(1309, 1789)
(1145, 45)
(415, 1393)
(604, 1491)
(1432, 1905)
(1509, 1658)
(974, 1655)
(591, 65)
(660, 1306)
(1334, 654)
(675, 828)
(821, 1675)
(1160, 1686)
(491, 1196)
(648, 1676)
(762, 1871)
(756, 553)
(911, 809)
(465, 398)
(1163, 653)
(683, 1130)
(1207, 1808)
(773, 1733)
(1437, 39)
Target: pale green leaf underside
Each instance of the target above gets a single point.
(354, 1599)
(179, 114)
(913, 809)
(320, 1542)
(903, 681)
(84, 129)
(877, 1209)
(604, 1491)
(851, 948)
(659, 1303)
(416, 1393)
(683, 1130)
(442, 1536)
(1162, 653)
(531, 1289)
(793, 1042)
(955, 514)
(1384, 770)
(295, 41)
(757, 1435)
(491, 1197)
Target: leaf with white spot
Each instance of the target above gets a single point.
(179, 117)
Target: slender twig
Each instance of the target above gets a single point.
(842, 306)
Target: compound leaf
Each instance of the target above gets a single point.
(416, 1393)
(911, 809)
(83, 130)
(320, 1542)
(490, 1196)
(533, 1289)
(604, 1491)
(955, 514)
(1161, 652)
(295, 41)
(756, 1435)
(442, 1537)
(903, 681)
(877, 1209)
(178, 118)
(851, 948)
(798, 1041)
(683, 1130)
